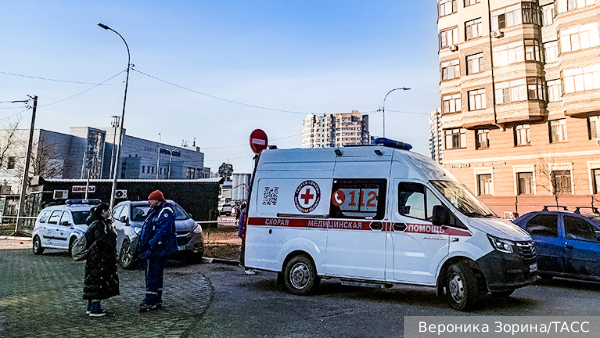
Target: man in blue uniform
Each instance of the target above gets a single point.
(157, 240)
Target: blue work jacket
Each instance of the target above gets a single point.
(158, 237)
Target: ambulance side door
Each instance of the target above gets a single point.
(417, 246)
(356, 234)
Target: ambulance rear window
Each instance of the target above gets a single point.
(358, 198)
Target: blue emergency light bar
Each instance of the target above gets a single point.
(88, 201)
(386, 142)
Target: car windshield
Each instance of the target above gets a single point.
(79, 217)
(139, 212)
(461, 198)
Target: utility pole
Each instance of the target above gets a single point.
(158, 157)
(20, 211)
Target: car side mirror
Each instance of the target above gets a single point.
(124, 219)
(65, 223)
(190, 216)
(441, 215)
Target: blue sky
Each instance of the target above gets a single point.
(296, 56)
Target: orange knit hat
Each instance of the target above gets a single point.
(156, 195)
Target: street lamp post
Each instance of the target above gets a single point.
(383, 107)
(115, 122)
(118, 156)
(170, 158)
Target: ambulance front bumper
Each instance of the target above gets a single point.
(504, 271)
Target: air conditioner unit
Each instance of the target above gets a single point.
(598, 141)
(121, 194)
(60, 194)
(497, 34)
(453, 48)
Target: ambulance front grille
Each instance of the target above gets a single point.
(527, 251)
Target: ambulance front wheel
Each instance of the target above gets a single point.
(300, 275)
(461, 286)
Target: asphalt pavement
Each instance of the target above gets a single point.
(40, 296)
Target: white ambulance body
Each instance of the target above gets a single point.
(378, 214)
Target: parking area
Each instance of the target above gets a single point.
(40, 296)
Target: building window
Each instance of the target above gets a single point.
(558, 130)
(522, 135)
(450, 70)
(483, 139)
(509, 53)
(484, 184)
(11, 162)
(551, 51)
(554, 90)
(471, 2)
(456, 138)
(581, 79)
(580, 37)
(452, 103)
(511, 91)
(561, 180)
(530, 13)
(525, 183)
(569, 5)
(532, 50)
(548, 14)
(447, 7)
(506, 17)
(594, 126)
(477, 99)
(535, 89)
(449, 37)
(473, 29)
(143, 169)
(475, 64)
(596, 180)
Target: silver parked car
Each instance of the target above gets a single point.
(128, 218)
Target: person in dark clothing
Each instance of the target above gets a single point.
(101, 280)
(157, 240)
(92, 217)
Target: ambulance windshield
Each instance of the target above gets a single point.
(461, 198)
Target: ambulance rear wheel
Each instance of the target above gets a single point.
(461, 286)
(300, 275)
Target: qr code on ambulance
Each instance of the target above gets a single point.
(270, 196)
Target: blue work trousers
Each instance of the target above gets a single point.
(154, 279)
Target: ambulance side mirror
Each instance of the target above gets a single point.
(441, 215)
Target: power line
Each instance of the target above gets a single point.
(87, 90)
(218, 98)
(48, 79)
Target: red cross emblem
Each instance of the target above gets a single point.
(307, 196)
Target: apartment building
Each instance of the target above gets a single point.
(520, 98)
(335, 130)
(436, 136)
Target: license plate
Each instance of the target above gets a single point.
(533, 267)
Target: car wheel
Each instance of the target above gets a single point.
(300, 275)
(461, 286)
(37, 246)
(126, 258)
(502, 294)
(70, 249)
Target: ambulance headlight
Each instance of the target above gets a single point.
(501, 245)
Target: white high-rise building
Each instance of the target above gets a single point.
(335, 130)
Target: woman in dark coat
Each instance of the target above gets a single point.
(101, 279)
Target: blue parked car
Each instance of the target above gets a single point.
(567, 243)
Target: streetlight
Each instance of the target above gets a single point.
(383, 107)
(115, 122)
(170, 158)
(118, 156)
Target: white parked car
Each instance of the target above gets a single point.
(58, 226)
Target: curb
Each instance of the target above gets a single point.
(15, 238)
(208, 260)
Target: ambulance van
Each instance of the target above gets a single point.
(378, 216)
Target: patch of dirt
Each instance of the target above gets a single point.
(222, 242)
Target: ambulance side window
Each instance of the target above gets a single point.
(358, 198)
(414, 200)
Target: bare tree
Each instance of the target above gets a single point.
(8, 137)
(46, 162)
(554, 176)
